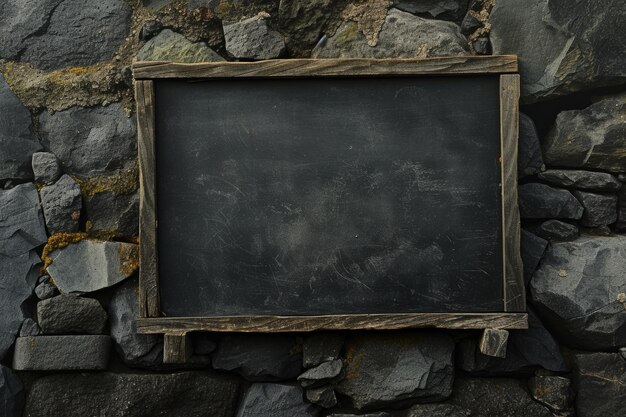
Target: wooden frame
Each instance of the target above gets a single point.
(514, 304)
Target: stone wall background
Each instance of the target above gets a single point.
(68, 215)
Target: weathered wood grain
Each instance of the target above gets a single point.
(514, 294)
(493, 342)
(176, 348)
(276, 324)
(346, 67)
(148, 270)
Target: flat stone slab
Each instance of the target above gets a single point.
(90, 265)
(62, 353)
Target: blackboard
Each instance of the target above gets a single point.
(279, 190)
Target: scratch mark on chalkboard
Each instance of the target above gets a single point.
(353, 280)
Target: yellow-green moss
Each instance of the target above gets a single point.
(122, 182)
(57, 241)
(129, 259)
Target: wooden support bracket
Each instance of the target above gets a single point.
(176, 348)
(493, 342)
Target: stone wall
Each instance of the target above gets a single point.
(68, 215)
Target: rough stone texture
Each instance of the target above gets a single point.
(29, 328)
(470, 24)
(66, 314)
(621, 209)
(557, 230)
(526, 350)
(385, 368)
(113, 214)
(324, 396)
(256, 357)
(540, 201)
(403, 36)
(11, 393)
(67, 353)
(253, 39)
(135, 349)
(189, 394)
(321, 347)
(321, 374)
(551, 391)
(90, 265)
(375, 414)
(150, 29)
(529, 158)
(46, 167)
(17, 141)
(439, 9)
(203, 344)
(532, 248)
(438, 410)
(303, 21)
(563, 46)
(582, 180)
(52, 34)
(600, 209)
(90, 141)
(45, 290)
(62, 205)
(580, 289)
(600, 381)
(275, 400)
(594, 137)
(488, 397)
(172, 46)
(21, 231)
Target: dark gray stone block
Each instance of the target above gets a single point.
(552, 391)
(46, 167)
(253, 39)
(143, 350)
(557, 230)
(188, 394)
(17, 141)
(529, 157)
(259, 357)
(172, 46)
(438, 410)
(276, 400)
(52, 34)
(600, 383)
(600, 209)
(540, 201)
(12, 393)
(62, 205)
(323, 396)
(580, 291)
(45, 290)
(322, 374)
(113, 214)
(321, 347)
(68, 314)
(384, 369)
(582, 180)
(437, 9)
(62, 353)
(532, 248)
(29, 328)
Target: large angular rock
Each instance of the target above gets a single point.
(253, 39)
(66, 314)
(62, 204)
(259, 357)
(303, 21)
(323, 396)
(63, 353)
(21, 231)
(580, 290)
(46, 167)
(540, 201)
(527, 350)
(403, 36)
(322, 374)
(552, 391)
(382, 369)
(172, 46)
(600, 382)
(11, 393)
(488, 397)
(52, 34)
(557, 230)
(17, 141)
(113, 214)
(582, 180)
(529, 158)
(563, 46)
(532, 248)
(321, 347)
(143, 350)
(91, 265)
(189, 394)
(90, 141)
(275, 400)
(594, 137)
(434, 9)
(600, 209)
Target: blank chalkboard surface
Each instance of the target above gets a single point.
(328, 195)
